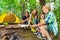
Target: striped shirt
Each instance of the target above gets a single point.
(51, 22)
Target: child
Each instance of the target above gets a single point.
(35, 21)
(41, 18)
(41, 21)
(50, 21)
(25, 17)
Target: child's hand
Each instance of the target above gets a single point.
(26, 19)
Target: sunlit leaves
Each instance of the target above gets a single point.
(33, 4)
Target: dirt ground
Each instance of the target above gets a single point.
(28, 35)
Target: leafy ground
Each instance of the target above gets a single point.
(28, 35)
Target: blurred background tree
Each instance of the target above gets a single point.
(19, 6)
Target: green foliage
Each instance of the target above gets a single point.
(32, 4)
(19, 6)
(15, 6)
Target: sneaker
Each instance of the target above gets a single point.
(40, 36)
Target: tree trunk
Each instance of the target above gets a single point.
(42, 2)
